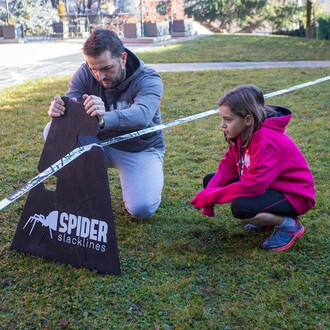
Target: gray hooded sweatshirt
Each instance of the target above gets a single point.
(132, 105)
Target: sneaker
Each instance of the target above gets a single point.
(256, 227)
(282, 238)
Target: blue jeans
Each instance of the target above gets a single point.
(141, 176)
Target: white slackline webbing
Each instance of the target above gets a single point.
(80, 150)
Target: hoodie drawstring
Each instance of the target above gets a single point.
(240, 159)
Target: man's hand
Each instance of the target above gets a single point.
(94, 105)
(57, 107)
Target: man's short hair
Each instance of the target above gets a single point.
(101, 40)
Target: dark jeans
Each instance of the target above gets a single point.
(269, 202)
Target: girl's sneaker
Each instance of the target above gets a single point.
(283, 237)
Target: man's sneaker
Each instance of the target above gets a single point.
(256, 227)
(282, 238)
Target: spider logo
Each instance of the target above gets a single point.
(50, 221)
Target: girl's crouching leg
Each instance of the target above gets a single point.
(244, 211)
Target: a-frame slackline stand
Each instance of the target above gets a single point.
(73, 224)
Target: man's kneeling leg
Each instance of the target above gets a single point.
(141, 176)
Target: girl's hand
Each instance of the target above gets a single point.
(209, 211)
(199, 201)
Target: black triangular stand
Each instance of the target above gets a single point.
(73, 224)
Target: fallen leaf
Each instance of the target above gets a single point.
(206, 289)
(64, 322)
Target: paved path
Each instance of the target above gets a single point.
(179, 67)
(23, 62)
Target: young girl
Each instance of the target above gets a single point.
(274, 183)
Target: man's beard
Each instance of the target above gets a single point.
(118, 79)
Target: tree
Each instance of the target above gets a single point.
(284, 14)
(207, 11)
(3, 16)
(175, 9)
(310, 19)
(35, 17)
(247, 14)
(150, 11)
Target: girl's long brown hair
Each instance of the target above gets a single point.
(247, 100)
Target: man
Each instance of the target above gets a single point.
(116, 87)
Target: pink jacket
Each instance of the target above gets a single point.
(271, 161)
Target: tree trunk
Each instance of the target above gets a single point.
(310, 21)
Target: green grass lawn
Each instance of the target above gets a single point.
(180, 270)
(240, 48)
